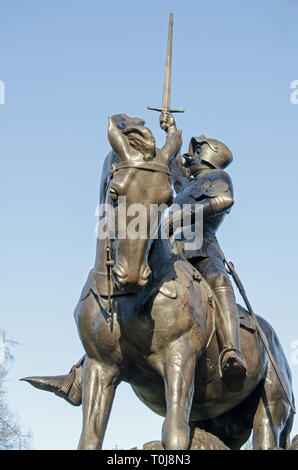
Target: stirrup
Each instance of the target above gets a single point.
(240, 374)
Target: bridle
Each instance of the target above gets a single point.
(147, 166)
(110, 262)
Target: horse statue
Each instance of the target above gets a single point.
(146, 317)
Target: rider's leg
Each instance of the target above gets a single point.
(232, 363)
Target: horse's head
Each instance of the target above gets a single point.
(140, 182)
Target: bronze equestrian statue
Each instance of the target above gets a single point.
(147, 316)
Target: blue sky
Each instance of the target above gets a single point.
(68, 65)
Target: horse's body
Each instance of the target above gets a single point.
(158, 346)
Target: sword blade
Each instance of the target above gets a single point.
(166, 97)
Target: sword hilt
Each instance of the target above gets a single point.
(166, 110)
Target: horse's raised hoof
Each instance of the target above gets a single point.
(233, 369)
(67, 386)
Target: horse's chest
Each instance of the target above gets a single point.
(137, 332)
(148, 332)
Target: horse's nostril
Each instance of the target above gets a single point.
(124, 277)
(120, 276)
(146, 274)
(119, 271)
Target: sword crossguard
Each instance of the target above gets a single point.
(166, 110)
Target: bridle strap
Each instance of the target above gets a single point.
(149, 166)
(109, 265)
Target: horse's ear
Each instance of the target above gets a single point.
(118, 141)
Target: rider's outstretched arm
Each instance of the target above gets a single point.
(174, 137)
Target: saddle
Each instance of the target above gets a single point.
(180, 272)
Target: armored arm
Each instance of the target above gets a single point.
(174, 137)
(214, 205)
(215, 193)
(211, 196)
(172, 146)
(211, 207)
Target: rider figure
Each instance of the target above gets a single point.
(211, 187)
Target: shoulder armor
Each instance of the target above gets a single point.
(213, 184)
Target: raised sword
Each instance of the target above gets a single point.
(166, 97)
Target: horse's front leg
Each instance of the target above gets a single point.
(179, 371)
(99, 385)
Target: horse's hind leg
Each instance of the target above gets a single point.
(178, 372)
(272, 414)
(99, 385)
(285, 439)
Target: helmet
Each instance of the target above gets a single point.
(216, 153)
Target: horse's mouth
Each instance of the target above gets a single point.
(123, 283)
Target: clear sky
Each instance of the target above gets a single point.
(69, 64)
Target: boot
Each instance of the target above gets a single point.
(232, 365)
(67, 386)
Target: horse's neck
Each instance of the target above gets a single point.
(160, 257)
(100, 258)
